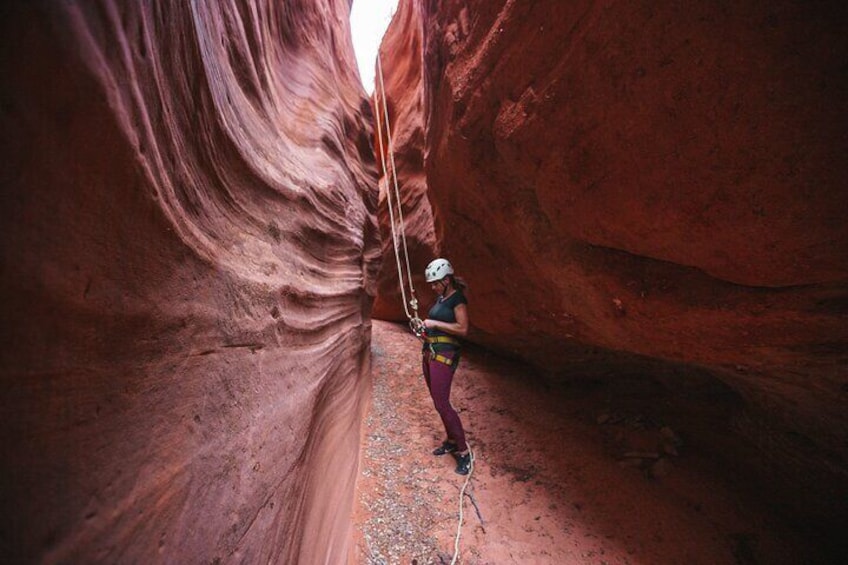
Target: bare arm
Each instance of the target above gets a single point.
(460, 327)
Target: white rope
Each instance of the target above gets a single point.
(413, 300)
(397, 202)
(394, 175)
(461, 501)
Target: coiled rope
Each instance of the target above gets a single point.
(400, 248)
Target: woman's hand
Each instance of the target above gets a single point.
(460, 327)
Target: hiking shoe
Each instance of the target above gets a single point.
(463, 464)
(445, 448)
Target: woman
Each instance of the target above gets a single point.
(447, 318)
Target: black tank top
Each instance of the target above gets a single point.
(443, 310)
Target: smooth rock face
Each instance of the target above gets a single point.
(189, 260)
(401, 48)
(652, 189)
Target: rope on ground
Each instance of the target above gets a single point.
(461, 501)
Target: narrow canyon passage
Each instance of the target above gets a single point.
(196, 243)
(551, 482)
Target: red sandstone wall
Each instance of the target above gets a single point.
(189, 258)
(629, 182)
(401, 49)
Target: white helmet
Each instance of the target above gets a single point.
(437, 270)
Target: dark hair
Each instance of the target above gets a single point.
(458, 283)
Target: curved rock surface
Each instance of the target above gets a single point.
(653, 190)
(402, 158)
(189, 260)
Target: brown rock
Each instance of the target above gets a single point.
(641, 455)
(660, 468)
(403, 80)
(686, 163)
(189, 256)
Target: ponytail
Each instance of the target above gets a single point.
(458, 283)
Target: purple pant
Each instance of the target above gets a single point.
(439, 377)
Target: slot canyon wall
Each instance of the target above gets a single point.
(403, 158)
(189, 260)
(652, 190)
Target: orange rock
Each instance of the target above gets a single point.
(685, 164)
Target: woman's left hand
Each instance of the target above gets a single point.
(430, 324)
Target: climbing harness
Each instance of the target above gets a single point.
(442, 339)
(434, 355)
(441, 358)
(400, 248)
(415, 322)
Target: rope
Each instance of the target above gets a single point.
(415, 321)
(461, 501)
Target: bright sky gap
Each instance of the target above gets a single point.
(368, 22)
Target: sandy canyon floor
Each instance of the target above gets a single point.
(562, 475)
